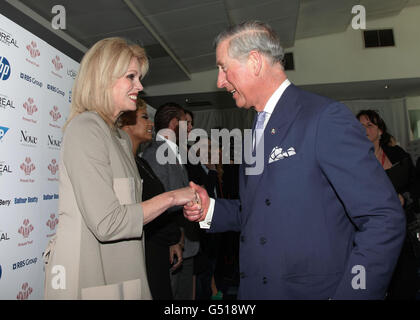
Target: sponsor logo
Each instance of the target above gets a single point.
(24, 263)
(33, 52)
(31, 79)
(57, 66)
(5, 202)
(28, 140)
(6, 102)
(3, 236)
(53, 142)
(53, 167)
(4, 168)
(52, 223)
(3, 131)
(30, 108)
(55, 89)
(25, 230)
(5, 68)
(20, 200)
(27, 167)
(50, 196)
(25, 292)
(55, 115)
(71, 73)
(7, 38)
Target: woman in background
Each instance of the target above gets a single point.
(399, 167)
(161, 235)
(97, 252)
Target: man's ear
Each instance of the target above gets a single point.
(255, 60)
(173, 123)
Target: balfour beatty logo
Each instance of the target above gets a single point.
(50, 196)
(20, 200)
(5, 68)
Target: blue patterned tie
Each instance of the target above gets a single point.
(259, 127)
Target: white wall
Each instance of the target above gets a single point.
(336, 58)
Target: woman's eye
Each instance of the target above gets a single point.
(131, 76)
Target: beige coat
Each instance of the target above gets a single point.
(98, 251)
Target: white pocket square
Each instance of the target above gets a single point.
(277, 154)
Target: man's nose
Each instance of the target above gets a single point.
(221, 80)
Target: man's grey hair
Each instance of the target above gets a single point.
(252, 35)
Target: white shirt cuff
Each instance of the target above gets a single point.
(206, 223)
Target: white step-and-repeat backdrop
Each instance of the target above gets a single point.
(35, 94)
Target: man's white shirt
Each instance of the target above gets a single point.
(269, 108)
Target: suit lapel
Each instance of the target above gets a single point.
(283, 116)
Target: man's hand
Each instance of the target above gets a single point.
(197, 211)
(175, 250)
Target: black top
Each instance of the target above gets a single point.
(162, 229)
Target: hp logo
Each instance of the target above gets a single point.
(3, 131)
(4, 68)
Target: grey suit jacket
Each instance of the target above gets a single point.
(98, 250)
(174, 176)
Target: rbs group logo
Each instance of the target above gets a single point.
(5, 69)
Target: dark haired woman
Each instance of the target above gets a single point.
(399, 167)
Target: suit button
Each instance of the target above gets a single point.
(264, 280)
(267, 202)
(242, 275)
(263, 240)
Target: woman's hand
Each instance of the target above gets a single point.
(185, 196)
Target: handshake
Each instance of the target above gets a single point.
(195, 200)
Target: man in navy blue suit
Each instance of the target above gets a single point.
(322, 220)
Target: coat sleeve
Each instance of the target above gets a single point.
(346, 157)
(86, 160)
(226, 216)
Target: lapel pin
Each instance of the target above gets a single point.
(273, 131)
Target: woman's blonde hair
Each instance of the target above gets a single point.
(105, 62)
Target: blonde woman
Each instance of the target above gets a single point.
(98, 251)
